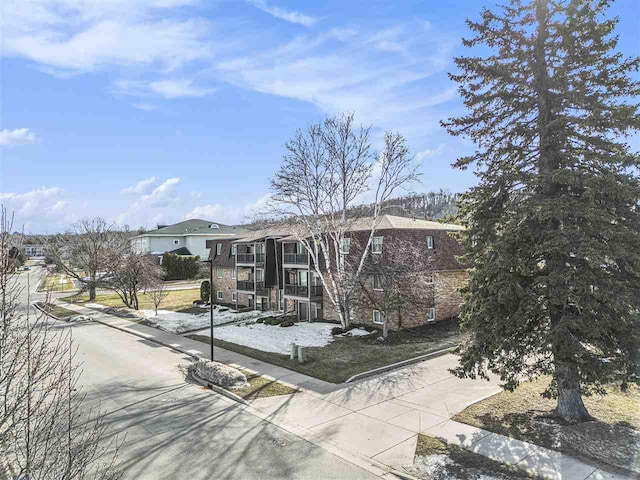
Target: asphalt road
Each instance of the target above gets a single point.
(171, 429)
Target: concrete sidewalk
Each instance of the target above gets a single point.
(380, 417)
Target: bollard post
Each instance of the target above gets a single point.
(300, 354)
(294, 351)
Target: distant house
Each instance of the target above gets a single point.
(34, 250)
(191, 237)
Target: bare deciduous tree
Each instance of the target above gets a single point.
(326, 173)
(45, 430)
(88, 252)
(158, 292)
(398, 279)
(131, 273)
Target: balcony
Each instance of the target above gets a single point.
(303, 290)
(245, 258)
(245, 286)
(296, 258)
(261, 289)
(296, 290)
(260, 257)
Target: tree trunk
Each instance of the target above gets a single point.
(570, 406)
(92, 291)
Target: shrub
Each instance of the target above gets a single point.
(337, 331)
(179, 267)
(287, 323)
(272, 321)
(205, 291)
(260, 320)
(218, 373)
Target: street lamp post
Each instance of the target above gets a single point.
(210, 262)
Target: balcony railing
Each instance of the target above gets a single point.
(296, 258)
(244, 258)
(261, 288)
(316, 290)
(259, 257)
(296, 290)
(303, 290)
(245, 286)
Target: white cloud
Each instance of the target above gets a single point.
(290, 16)
(147, 107)
(431, 152)
(171, 88)
(161, 196)
(228, 214)
(143, 186)
(383, 75)
(39, 210)
(18, 136)
(156, 203)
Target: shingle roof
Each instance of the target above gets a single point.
(196, 226)
(404, 223)
(181, 251)
(393, 222)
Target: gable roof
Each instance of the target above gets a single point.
(195, 226)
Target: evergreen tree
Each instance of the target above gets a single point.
(553, 225)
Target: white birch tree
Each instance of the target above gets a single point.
(327, 171)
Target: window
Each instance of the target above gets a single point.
(259, 275)
(234, 273)
(346, 244)
(218, 249)
(429, 278)
(234, 296)
(377, 282)
(219, 295)
(219, 272)
(378, 317)
(176, 242)
(429, 242)
(376, 246)
(431, 314)
(234, 249)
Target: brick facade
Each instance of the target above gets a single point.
(226, 285)
(433, 251)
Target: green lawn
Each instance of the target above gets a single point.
(612, 438)
(57, 282)
(176, 300)
(346, 356)
(465, 464)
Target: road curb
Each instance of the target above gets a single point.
(217, 389)
(393, 366)
(39, 308)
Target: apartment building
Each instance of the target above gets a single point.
(191, 237)
(271, 270)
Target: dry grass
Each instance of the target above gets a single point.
(261, 387)
(613, 437)
(346, 356)
(57, 311)
(465, 464)
(176, 300)
(51, 283)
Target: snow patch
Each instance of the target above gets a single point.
(177, 322)
(218, 373)
(275, 339)
(355, 332)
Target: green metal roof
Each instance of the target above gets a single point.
(195, 227)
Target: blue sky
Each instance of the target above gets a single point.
(154, 111)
